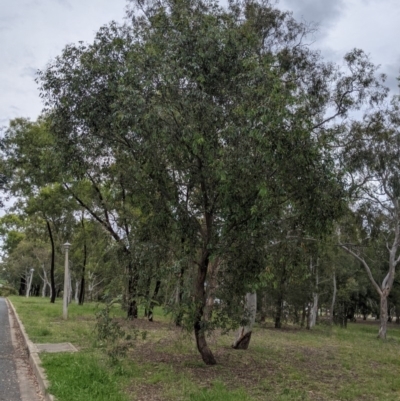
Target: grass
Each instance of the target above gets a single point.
(218, 392)
(280, 365)
(81, 377)
(44, 323)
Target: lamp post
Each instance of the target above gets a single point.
(66, 282)
(28, 288)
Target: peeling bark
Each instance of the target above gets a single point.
(313, 311)
(383, 315)
(76, 295)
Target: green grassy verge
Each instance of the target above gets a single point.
(81, 377)
(44, 323)
(280, 365)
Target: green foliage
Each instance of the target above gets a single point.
(201, 128)
(12, 230)
(110, 334)
(106, 327)
(6, 291)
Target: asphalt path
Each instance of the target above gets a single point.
(9, 386)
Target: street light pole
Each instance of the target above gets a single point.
(66, 282)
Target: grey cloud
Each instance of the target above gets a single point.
(323, 13)
(65, 3)
(7, 21)
(29, 72)
(330, 54)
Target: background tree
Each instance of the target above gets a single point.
(371, 156)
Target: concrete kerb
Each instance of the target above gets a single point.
(34, 359)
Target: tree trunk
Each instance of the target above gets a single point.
(28, 288)
(45, 282)
(22, 285)
(313, 311)
(83, 272)
(76, 295)
(37, 290)
(52, 266)
(132, 312)
(333, 297)
(313, 308)
(243, 335)
(179, 296)
(303, 316)
(278, 312)
(153, 303)
(279, 301)
(199, 322)
(383, 315)
(308, 315)
(147, 296)
(211, 288)
(82, 290)
(263, 308)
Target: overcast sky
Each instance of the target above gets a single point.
(32, 32)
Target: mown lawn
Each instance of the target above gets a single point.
(289, 364)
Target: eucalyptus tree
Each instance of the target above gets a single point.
(215, 121)
(52, 205)
(39, 180)
(31, 164)
(18, 263)
(372, 158)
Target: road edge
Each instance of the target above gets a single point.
(33, 356)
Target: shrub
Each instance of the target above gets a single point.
(6, 291)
